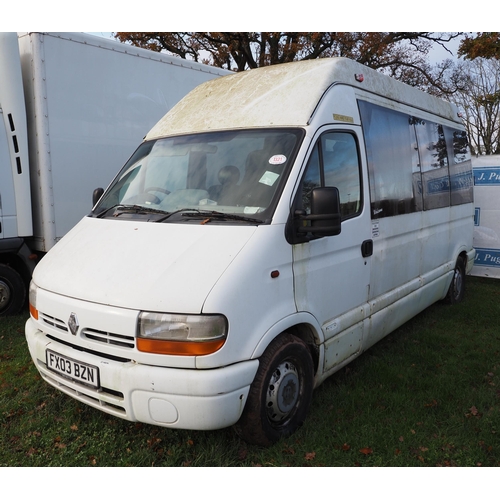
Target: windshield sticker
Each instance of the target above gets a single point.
(269, 178)
(277, 159)
(251, 210)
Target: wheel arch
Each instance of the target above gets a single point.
(468, 257)
(301, 325)
(463, 255)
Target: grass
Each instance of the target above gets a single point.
(426, 395)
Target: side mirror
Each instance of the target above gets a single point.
(96, 196)
(325, 214)
(325, 211)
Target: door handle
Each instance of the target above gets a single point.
(367, 248)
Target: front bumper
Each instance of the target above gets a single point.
(170, 397)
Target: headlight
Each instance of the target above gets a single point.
(184, 335)
(32, 300)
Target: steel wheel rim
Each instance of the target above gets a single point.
(458, 283)
(283, 392)
(4, 294)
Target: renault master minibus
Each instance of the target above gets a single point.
(269, 229)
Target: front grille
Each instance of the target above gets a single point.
(54, 322)
(109, 338)
(91, 334)
(90, 351)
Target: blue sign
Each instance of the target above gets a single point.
(487, 257)
(487, 176)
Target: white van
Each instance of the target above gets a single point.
(270, 228)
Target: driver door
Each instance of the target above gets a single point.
(332, 273)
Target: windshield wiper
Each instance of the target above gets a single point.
(183, 211)
(208, 215)
(125, 208)
(212, 214)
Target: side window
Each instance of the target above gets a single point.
(461, 185)
(393, 168)
(433, 165)
(341, 170)
(311, 180)
(334, 162)
(413, 164)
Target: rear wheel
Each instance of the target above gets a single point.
(457, 286)
(12, 291)
(281, 393)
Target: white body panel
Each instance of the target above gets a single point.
(339, 293)
(104, 282)
(487, 216)
(90, 101)
(15, 206)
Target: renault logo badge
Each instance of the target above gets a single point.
(73, 323)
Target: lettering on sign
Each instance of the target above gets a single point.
(343, 118)
(486, 176)
(489, 257)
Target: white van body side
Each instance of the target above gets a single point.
(303, 262)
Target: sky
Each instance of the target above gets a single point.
(438, 53)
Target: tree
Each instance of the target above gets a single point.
(479, 100)
(399, 54)
(484, 44)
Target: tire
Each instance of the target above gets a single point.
(457, 287)
(280, 395)
(12, 291)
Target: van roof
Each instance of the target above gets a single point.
(282, 95)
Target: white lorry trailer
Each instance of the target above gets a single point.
(271, 227)
(72, 109)
(487, 215)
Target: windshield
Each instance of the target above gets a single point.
(234, 172)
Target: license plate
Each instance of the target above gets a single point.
(75, 370)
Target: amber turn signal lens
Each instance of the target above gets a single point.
(178, 348)
(33, 311)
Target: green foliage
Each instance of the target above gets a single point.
(426, 395)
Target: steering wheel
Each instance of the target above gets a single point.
(159, 189)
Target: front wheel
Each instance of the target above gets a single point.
(457, 287)
(281, 393)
